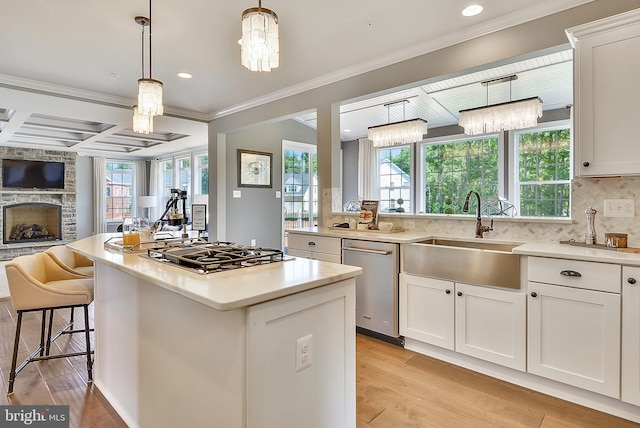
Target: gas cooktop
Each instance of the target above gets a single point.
(209, 257)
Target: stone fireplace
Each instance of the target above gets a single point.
(31, 222)
(53, 211)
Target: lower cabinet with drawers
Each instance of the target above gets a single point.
(572, 330)
(574, 323)
(324, 248)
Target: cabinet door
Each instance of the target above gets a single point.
(426, 310)
(606, 100)
(574, 337)
(491, 325)
(631, 335)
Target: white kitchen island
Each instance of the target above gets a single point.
(177, 348)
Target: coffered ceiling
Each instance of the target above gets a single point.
(69, 68)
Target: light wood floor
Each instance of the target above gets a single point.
(395, 388)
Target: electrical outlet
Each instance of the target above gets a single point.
(619, 207)
(304, 352)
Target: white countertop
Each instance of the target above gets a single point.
(566, 251)
(220, 290)
(532, 248)
(405, 237)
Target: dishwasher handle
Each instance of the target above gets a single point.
(367, 250)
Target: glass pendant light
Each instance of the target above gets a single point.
(396, 133)
(149, 89)
(505, 116)
(260, 46)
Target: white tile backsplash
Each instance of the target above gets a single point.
(586, 192)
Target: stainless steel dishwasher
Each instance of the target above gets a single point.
(376, 288)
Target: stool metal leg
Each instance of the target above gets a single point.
(42, 327)
(48, 347)
(16, 343)
(88, 342)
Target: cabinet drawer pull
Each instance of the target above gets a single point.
(447, 291)
(459, 293)
(311, 243)
(534, 294)
(631, 281)
(571, 273)
(586, 164)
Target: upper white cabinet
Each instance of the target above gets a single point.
(631, 335)
(607, 90)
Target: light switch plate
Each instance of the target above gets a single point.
(237, 194)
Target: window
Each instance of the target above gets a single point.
(300, 184)
(543, 172)
(166, 169)
(394, 179)
(451, 168)
(119, 189)
(201, 184)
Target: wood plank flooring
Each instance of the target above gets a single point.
(400, 388)
(395, 388)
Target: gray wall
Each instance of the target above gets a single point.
(258, 213)
(520, 40)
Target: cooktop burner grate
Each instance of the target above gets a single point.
(215, 256)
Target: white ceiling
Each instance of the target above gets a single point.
(88, 52)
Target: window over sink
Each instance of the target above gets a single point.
(529, 168)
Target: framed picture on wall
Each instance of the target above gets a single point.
(254, 168)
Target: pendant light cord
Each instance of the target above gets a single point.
(142, 65)
(150, 51)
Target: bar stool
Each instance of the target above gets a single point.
(37, 283)
(70, 260)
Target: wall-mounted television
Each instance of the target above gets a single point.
(27, 174)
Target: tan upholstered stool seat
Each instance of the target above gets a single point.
(38, 283)
(70, 260)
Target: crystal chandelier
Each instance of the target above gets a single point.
(149, 89)
(396, 133)
(501, 117)
(260, 47)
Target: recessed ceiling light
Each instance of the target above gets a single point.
(472, 10)
(185, 75)
(347, 130)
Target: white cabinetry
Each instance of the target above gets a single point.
(631, 335)
(282, 392)
(427, 310)
(606, 67)
(491, 325)
(482, 322)
(324, 248)
(574, 323)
